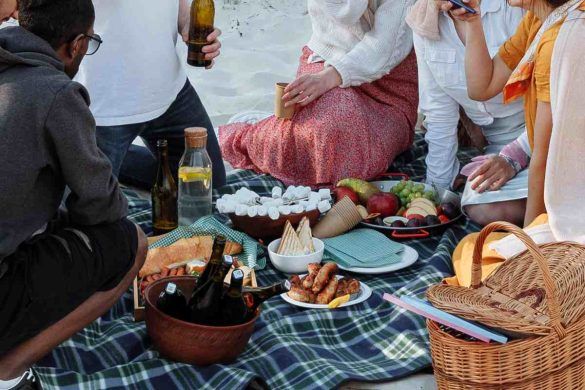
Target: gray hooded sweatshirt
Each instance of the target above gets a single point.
(47, 143)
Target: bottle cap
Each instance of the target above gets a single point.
(196, 137)
(171, 288)
(220, 239)
(162, 143)
(238, 274)
(228, 260)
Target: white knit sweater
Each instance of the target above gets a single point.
(363, 39)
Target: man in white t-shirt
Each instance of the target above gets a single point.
(139, 88)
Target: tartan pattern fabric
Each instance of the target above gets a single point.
(291, 348)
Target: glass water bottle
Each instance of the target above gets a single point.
(194, 178)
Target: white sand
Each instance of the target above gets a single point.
(262, 42)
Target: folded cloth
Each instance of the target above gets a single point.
(364, 248)
(511, 246)
(423, 19)
(210, 226)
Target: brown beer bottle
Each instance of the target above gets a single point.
(255, 296)
(205, 305)
(214, 262)
(164, 194)
(202, 19)
(233, 308)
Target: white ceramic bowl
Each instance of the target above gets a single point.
(390, 220)
(295, 264)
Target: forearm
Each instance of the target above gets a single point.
(479, 65)
(184, 15)
(535, 204)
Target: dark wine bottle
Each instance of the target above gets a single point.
(205, 304)
(172, 302)
(255, 296)
(164, 194)
(233, 308)
(214, 262)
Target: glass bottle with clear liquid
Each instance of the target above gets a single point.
(194, 178)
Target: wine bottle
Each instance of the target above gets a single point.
(164, 194)
(215, 260)
(255, 296)
(172, 302)
(233, 308)
(202, 20)
(205, 305)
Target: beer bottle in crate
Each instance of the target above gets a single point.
(255, 296)
(233, 308)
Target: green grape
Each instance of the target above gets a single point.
(404, 193)
(411, 197)
(417, 195)
(419, 187)
(403, 201)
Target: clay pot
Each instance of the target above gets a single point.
(190, 343)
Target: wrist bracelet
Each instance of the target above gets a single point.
(513, 163)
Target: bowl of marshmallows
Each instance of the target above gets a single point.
(263, 217)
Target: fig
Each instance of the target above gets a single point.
(431, 220)
(398, 224)
(415, 223)
(450, 210)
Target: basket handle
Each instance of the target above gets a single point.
(549, 286)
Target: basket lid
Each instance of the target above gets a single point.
(538, 291)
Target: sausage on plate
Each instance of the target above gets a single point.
(325, 273)
(328, 292)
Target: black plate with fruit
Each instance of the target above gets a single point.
(404, 208)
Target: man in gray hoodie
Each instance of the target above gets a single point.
(58, 272)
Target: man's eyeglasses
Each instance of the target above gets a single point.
(94, 43)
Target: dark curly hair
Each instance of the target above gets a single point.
(56, 21)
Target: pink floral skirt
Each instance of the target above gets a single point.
(347, 132)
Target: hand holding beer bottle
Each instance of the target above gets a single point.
(202, 37)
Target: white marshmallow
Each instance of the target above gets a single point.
(273, 213)
(278, 202)
(252, 211)
(241, 210)
(311, 206)
(284, 210)
(262, 211)
(277, 192)
(230, 207)
(314, 197)
(297, 209)
(264, 200)
(324, 206)
(325, 194)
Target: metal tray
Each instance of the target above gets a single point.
(445, 196)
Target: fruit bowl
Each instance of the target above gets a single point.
(424, 230)
(267, 228)
(190, 343)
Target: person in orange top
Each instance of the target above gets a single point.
(521, 69)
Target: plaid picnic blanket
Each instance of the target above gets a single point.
(291, 348)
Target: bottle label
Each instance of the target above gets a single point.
(248, 300)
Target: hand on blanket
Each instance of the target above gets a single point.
(492, 174)
(212, 50)
(310, 87)
(460, 13)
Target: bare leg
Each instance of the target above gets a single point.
(511, 211)
(21, 358)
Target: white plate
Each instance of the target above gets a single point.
(364, 294)
(409, 257)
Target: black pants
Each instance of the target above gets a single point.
(53, 273)
(137, 165)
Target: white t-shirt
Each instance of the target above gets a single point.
(136, 74)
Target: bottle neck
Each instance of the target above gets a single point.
(217, 253)
(164, 170)
(235, 289)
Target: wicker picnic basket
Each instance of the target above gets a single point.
(539, 295)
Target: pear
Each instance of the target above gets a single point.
(362, 188)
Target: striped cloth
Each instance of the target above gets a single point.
(291, 348)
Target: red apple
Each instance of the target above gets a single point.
(385, 203)
(342, 192)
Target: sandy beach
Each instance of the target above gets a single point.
(262, 42)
